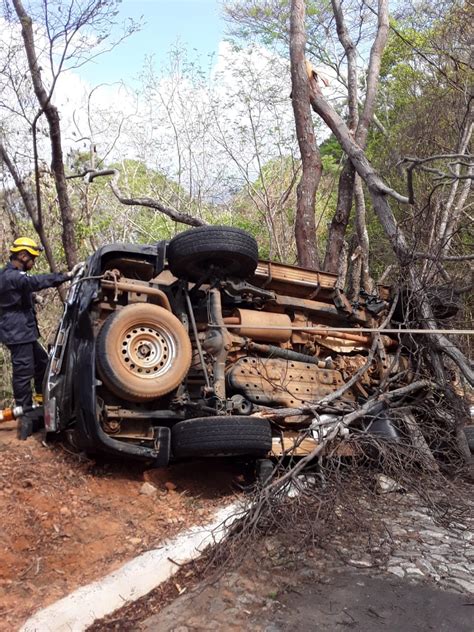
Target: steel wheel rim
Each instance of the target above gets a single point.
(148, 352)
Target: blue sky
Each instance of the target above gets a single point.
(196, 24)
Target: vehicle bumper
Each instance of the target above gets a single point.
(89, 426)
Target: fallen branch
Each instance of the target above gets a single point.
(388, 396)
(177, 216)
(418, 441)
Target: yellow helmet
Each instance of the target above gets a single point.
(25, 243)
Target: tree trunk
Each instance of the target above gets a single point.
(366, 282)
(353, 282)
(338, 225)
(359, 127)
(373, 73)
(30, 207)
(305, 226)
(52, 116)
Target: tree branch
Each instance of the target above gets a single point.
(373, 73)
(424, 255)
(352, 149)
(147, 202)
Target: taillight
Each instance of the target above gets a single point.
(49, 412)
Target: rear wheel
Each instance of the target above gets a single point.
(214, 436)
(222, 250)
(143, 352)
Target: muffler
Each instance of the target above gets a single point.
(252, 324)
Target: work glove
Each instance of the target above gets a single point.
(77, 268)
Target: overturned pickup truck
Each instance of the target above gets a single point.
(171, 350)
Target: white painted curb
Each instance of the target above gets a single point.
(134, 579)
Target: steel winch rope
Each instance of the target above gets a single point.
(87, 278)
(321, 330)
(354, 330)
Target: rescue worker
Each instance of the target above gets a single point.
(18, 323)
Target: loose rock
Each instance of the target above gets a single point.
(147, 489)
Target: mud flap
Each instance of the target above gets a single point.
(162, 446)
(383, 427)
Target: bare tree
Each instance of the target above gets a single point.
(53, 42)
(349, 184)
(29, 203)
(256, 141)
(305, 226)
(379, 193)
(52, 116)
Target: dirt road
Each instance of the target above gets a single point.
(66, 520)
(309, 599)
(391, 562)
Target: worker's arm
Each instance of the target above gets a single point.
(37, 282)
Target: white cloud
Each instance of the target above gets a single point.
(211, 131)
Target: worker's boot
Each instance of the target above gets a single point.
(29, 422)
(24, 427)
(37, 416)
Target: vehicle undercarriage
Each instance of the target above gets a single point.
(183, 349)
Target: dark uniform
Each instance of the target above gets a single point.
(19, 328)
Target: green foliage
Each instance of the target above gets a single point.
(268, 20)
(101, 218)
(331, 153)
(424, 78)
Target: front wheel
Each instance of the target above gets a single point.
(216, 436)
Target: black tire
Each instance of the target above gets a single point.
(230, 252)
(123, 367)
(469, 432)
(215, 436)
